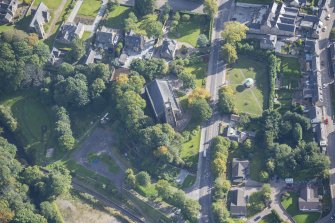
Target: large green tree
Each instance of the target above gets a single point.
(234, 32)
(210, 7)
(229, 53)
(144, 7)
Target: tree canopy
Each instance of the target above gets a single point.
(234, 32)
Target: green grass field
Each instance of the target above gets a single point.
(188, 181)
(89, 8)
(106, 159)
(190, 149)
(290, 66)
(249, 100)
(188, 32)
(52, 4)
(147, 191)
(36, 127)
(291, 205)
(5, 27)
(115, 18)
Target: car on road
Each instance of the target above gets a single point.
(324, 29)
(257, 218)
(324, 86)
(328, 17)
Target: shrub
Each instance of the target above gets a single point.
(185, 18)
(7, 119)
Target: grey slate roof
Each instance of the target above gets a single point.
(134, 41)
(159, 93)
(168, 49)
(238, 206)
(240, 169)
(104, 36)
(41, 15)
(309, 199)
(70, 30)
(7, 10)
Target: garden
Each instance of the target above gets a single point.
(290, 203)
(187, 31)
(116, 17)
(89, 8)
(248, 100)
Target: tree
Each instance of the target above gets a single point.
(149, 69)
(58, 182)
(225, 103)
(50, 212)
(77, 50)
(202, 40)
(234, 32)
(297, 133)
(229, 53)
(201, 111)
(185, 18)
(28, 216)
(188, 79)
(264, 176)
(97, 87)
(152, 27)
(131, 22)
(130, 178)
(7, 119)
(198, 93)
(145, 7)
(143, 178)
(220, 211)
(66, 69)
(6, 214)
(210, 8)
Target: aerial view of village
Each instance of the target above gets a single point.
(167, 111)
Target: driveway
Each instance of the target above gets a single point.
(100, 141)
(74, 11)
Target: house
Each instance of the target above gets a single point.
(168, 49)
(56, 56)
(280, 20)
(268, 42)
(309, 199)
(238, 206)
(134, 42)
(8, 10)
(92, 57)
(41, 17)
(104, 38)
(240, 170)
(69, 31)
(163, 102)
(233, 134)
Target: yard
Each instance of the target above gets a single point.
(115, 18)
(188, 32)
(249, 100)
(36, 127)
(291, 205)
(89, 8)
(199, 70)
(188, 181)
(290, 68)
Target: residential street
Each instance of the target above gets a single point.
(216, 77)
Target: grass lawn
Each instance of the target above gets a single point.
(115, 18)
(291, 205)
(255, 200)
(290, 67)
(52, 4)
(188, 32)
(106, 159)
(5, 27)
(188, 181)
(86, 35)
(199, 70)
(249, 100)
(36, 127)
(147, 191)
(190, 148)
(89, 8)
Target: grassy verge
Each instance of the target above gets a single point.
(291, 206)
(188, 181)
(116, 17)
(188, 32)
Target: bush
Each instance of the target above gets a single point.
(63, 129)
(7, 119)
(143, 178)
(185, 18)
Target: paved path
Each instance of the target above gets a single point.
(74, 11)
(99, 16)
(57, 13)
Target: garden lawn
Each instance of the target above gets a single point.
(188, 32)
(89, 8)
(291, 206)
(249, 100)
(199, 70)
(115, 18)
(188, 181)
(290, 67)
(36, 127)
(4, 28)
(52, 4)
(86, 35)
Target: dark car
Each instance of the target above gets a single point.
(257, 218)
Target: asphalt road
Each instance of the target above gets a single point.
(216, 77)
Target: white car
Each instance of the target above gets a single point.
(328, 17)
(324, 29)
